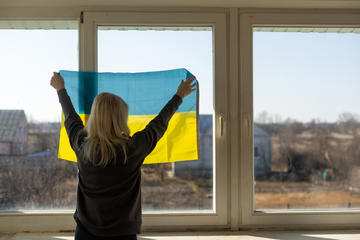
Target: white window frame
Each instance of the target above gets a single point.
(280, 218)
(233, 83)
(88, 54)
(36, 221)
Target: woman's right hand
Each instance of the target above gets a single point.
(57, 81)
(186, 87)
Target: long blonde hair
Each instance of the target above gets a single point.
(106, 129)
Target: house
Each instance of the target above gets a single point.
(262, 152)
(203, 168)
(13, 132)
(42, 137)
(25, 142)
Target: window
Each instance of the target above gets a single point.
(306, 117)
(191, 216)
(184, 185)
(286, 50)
(211, 197)
(31, 175)
(237, 208)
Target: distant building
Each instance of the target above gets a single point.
(203, 168)
(30, 144)
(41, 136)
(262, 151)
(13, 132)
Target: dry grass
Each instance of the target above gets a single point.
(275, 195)
(176, 194)
(306, 200)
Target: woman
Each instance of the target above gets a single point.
(109, 160)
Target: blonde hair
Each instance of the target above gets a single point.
(106, 129)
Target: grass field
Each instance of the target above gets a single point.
(293, 195)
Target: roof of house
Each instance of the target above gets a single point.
(10, 120)
(259, 132)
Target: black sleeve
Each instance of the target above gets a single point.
(156, 128)
(73, 124)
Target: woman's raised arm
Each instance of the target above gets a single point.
(73, 124)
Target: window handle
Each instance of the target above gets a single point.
(248, 121)
(221, 122)
(247, 125)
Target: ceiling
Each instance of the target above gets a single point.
(348, 4)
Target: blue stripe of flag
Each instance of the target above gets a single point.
(145, 92)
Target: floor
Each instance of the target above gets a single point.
(253, 235)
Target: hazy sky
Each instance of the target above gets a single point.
(306, 76)
(29, 57)
(298, 75)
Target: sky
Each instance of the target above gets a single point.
(29, 58)
(306, 76)
(302, 76)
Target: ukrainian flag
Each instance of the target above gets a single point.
(146, 94)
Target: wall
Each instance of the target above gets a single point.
(5, 148)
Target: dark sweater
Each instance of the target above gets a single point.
(109, 198)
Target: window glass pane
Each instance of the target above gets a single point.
(306, 112)
(31, 175)
(186, 185)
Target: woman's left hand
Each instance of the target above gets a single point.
(57, 81)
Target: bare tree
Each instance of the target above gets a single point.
(38, 181)
(348, 122)
(264, 117)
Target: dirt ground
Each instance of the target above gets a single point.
(292, 195)
(176, 194)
